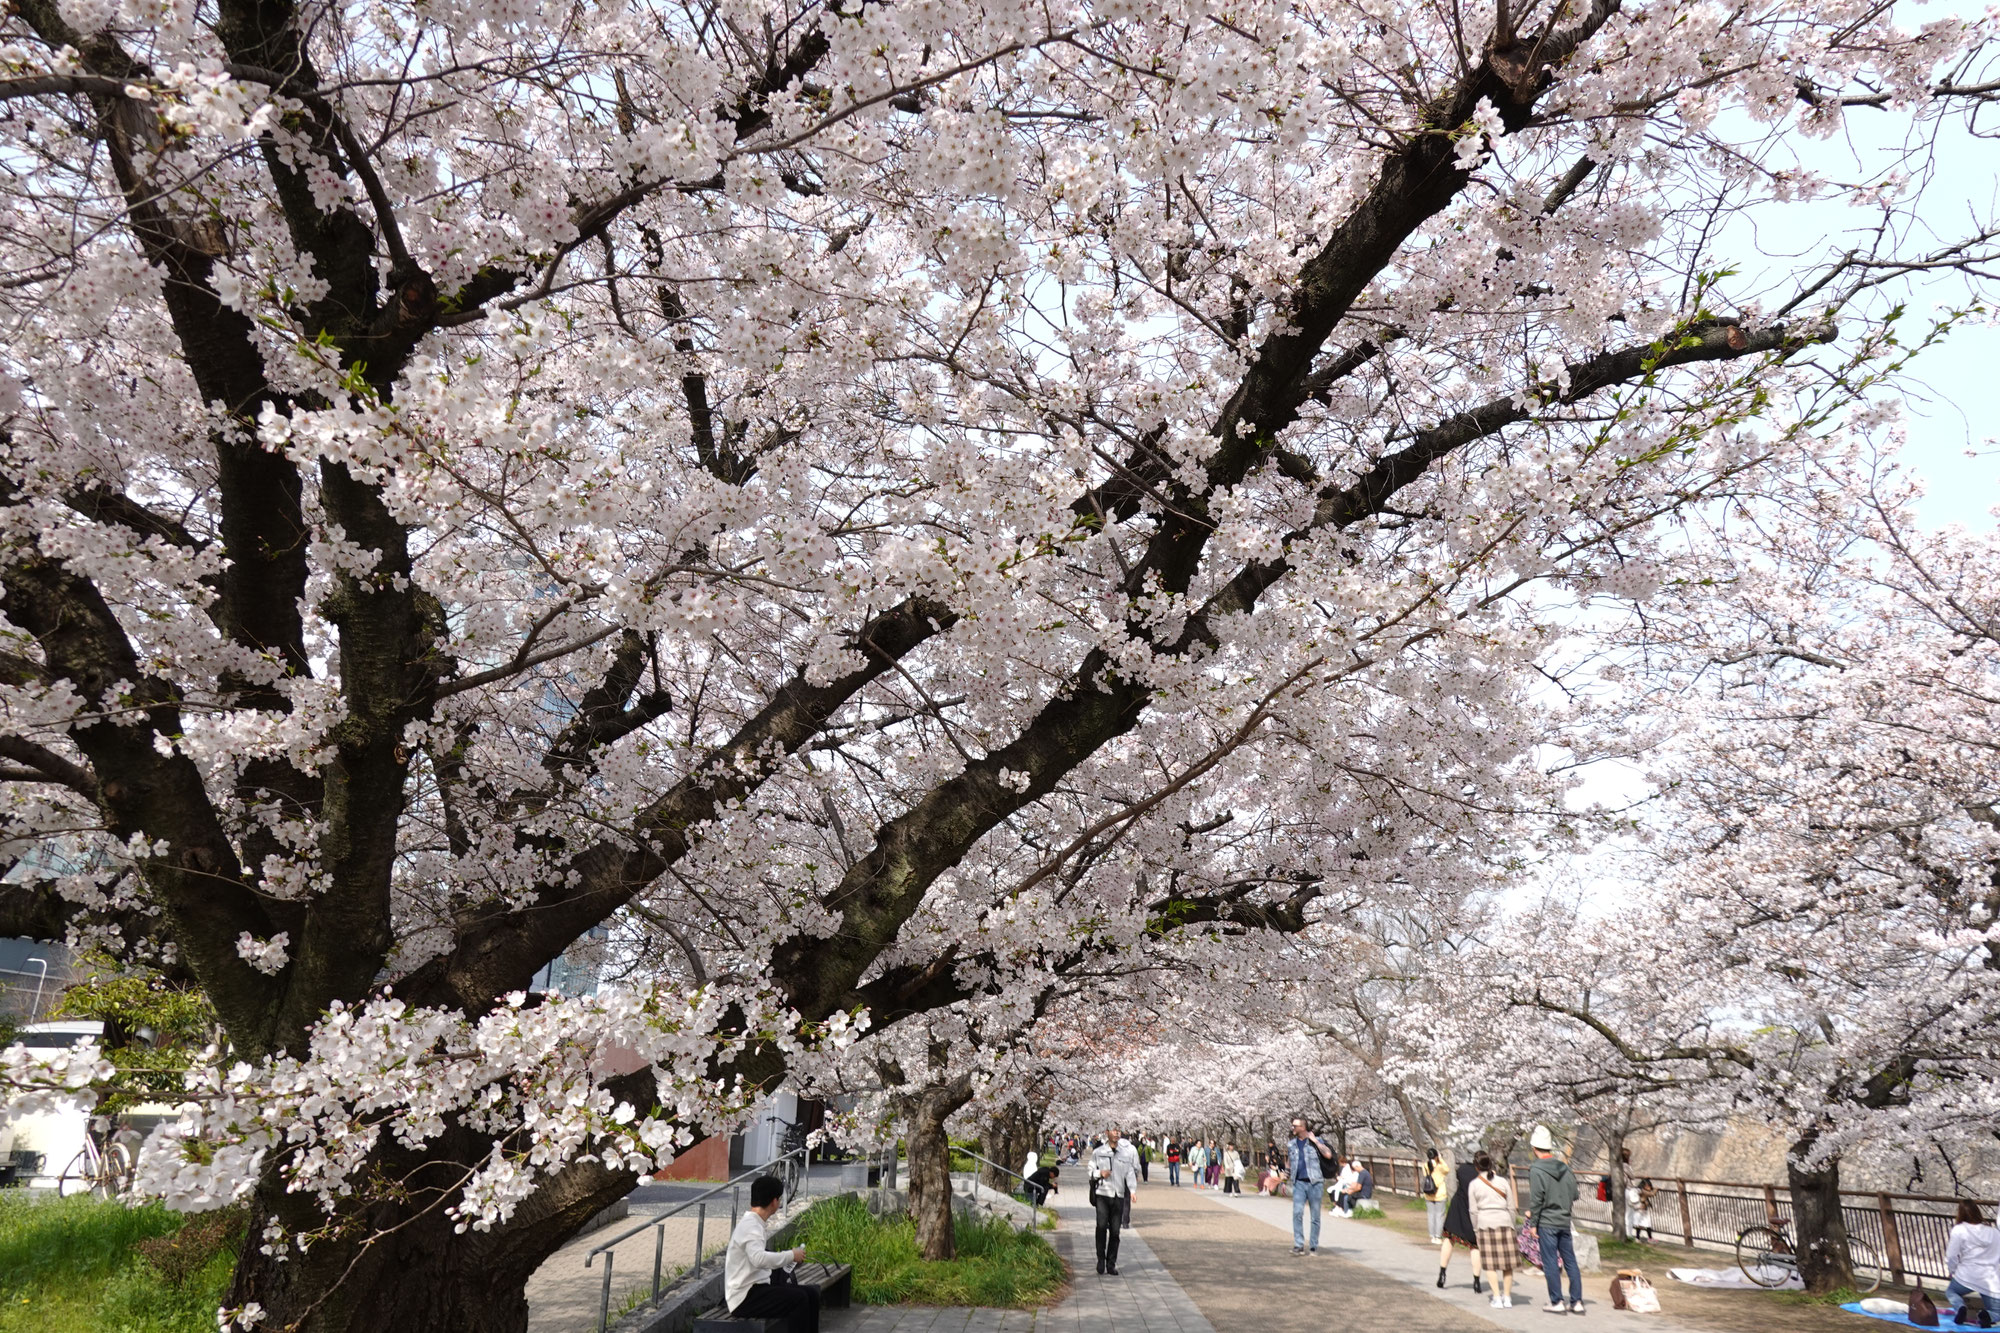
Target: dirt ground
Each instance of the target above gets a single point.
(1721, 1311)
(1242, 1276)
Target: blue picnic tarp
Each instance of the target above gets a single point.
(1944, 1316)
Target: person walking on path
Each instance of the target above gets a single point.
(1458, 1232)
(747, 1288)
(1198, 1161)
(1551, 1211)
(1308, 1155)
(1490, 1200)
(1114, 1167)
(1173, 1161)
(1232, 1170)
(1215, 1164)
(1972, 1258)
(1435, 1187)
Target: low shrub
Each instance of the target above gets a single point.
(997, 1266)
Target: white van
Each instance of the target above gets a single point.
(56, 1137)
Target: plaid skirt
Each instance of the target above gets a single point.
(1496, 1249)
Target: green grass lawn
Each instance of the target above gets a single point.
(997, 1266)
(82, 1266)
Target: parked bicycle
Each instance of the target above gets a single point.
(102, 1172)
(1764, 1252)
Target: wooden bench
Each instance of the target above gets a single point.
(835, 1283)
(836, 1292)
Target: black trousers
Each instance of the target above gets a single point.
(1231, 1185)
(797, 1306)
(1110, 1216)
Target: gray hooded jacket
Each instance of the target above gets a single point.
(1551, 1194)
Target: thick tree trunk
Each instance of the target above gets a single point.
(926, 1110)
(1005, 1146)
(930, 1189)
(416, 1274)
(1819, 1230)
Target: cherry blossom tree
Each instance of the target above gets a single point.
(1864, 899)
(882, 506)
(1819, 943)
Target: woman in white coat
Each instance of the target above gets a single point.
(1232, 1170)
(1972, 1257)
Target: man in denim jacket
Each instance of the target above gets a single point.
(1306, 1154)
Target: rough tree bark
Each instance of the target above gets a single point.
(416, 1274)
(925, 1111)
(1005, 1145)
(1819, 1229)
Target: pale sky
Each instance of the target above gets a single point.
(1952, 407)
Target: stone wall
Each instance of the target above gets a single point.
(1749, 1150)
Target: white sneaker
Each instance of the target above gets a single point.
(1496, 1303)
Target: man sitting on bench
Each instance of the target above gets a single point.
(747, 1288)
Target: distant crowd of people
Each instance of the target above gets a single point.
(1472, 1207)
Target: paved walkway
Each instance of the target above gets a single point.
(1199, 1262)
(1143, 1298)
(1233, 1255)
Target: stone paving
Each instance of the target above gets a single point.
(1197, 1262)
(1143, 1298)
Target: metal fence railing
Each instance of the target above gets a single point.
(791, 1168)
(1900, 1235)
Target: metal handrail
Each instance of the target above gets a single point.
(791, 1168)
(967, 1152)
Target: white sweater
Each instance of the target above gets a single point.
(1972, 1255)
(1490, 1203)
(747, 1262)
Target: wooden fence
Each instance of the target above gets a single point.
(1903, 1235)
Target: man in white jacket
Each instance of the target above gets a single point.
(1114, 1168)
(747, 1288)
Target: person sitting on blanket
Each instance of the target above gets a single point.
(1972, 1257)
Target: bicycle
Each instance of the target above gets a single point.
(103, 1173)
(1764, 1252)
